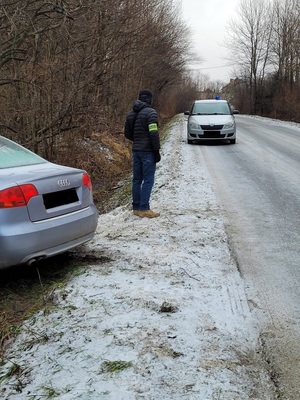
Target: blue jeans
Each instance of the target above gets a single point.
(143, 179)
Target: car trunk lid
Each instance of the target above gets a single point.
(60, 190)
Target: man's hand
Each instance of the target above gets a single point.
(157, 157)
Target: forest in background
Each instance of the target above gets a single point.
(71, 69)
(264, 43)
(76, 66)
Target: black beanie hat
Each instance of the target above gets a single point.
(146, 95)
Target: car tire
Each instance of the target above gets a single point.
(189, 141)
(232, 141)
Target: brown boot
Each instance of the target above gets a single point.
(148, 214)
(136, 212)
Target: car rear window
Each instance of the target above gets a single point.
(211, 108)
(14, 155)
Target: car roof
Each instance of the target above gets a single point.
(211, 101)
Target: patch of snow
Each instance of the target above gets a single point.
(277, 122)
(168, 304)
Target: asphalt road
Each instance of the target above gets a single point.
(257, 181)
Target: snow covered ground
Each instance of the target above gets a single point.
(165, 317)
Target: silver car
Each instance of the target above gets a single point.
(45, 208)
(211, 120)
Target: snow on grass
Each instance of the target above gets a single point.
(165, 317)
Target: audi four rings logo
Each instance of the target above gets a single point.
(63, 182)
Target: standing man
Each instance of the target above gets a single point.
(141, 128)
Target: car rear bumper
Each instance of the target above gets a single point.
(30, 241)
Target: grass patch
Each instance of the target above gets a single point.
(115, 366)
(14, 370)
(49, 392)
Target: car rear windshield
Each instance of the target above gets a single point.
(14, 155)
(211, 108)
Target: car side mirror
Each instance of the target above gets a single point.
(186, 113)
(235, 112)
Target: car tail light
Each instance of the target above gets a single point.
(87, 181)
(17, 196)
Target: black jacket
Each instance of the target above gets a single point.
(141, 127)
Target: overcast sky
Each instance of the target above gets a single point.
(207, 20)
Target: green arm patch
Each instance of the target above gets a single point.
(152, 127)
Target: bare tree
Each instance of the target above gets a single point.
(285, 82)
(248, 41)
(70, 68)
(286, 36)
